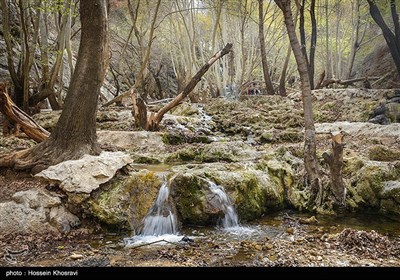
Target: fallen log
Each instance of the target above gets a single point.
(18, 117)
(328, 82)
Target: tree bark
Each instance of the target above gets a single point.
(310, 154)
(267, 77)
(152, 122)
(75, 132)
(335, 162)
(313, 46)
(390, 38)
(16, 116)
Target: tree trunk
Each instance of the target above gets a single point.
(153, 121)
(390, 38)
(355, 44)
(327, 44)
(310, 154)
(335, 162)
(75, 132)
(313, 46)
(267, 77)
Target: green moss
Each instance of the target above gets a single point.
(183, 155)
(352, 166)
(366, 187)
(382, 153)
(291, 135)
(185, 109)
(213, 154)
(189, 193)
(173, 139)
(124, 201)
(141, 159)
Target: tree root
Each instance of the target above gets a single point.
(45, 154)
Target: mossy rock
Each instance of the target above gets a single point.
(382, 153)
(143, 159)
(183, 155)
(124, 201)
(190, 194)
(185, 109)
(366, 187)
(170, 138)
(212, 153)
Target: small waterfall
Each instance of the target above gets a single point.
(230, 219)
(160, 219)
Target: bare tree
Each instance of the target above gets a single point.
(310, 154)
(267, 77)
(392, 39)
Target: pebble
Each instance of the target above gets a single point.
(319, 258)
(290, 230)
(76, 256)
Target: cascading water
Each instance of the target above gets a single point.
(160, 222)
(160, 219)
(230, 219)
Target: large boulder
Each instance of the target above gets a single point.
(123, 202)
(252, 191)
(368, 187)
(79, 178)
(35, 211)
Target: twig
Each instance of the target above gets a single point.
(154, 242)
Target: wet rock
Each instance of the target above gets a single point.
(35, 211)
(194, 200)
(252, 191)
(79, 178)
(123, 202)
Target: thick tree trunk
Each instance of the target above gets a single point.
(75, 132)
(310, 154)
(153, 121)
(267, 77)
(335, 162)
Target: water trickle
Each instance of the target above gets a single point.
(161, 218)
(230, 219)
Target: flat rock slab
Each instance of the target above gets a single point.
(85, 175)
(360, 128)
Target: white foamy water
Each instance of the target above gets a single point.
(160, 219)
(148, 239)
(230, 219)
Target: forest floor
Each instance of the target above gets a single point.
(260, 124)
(289, 243)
